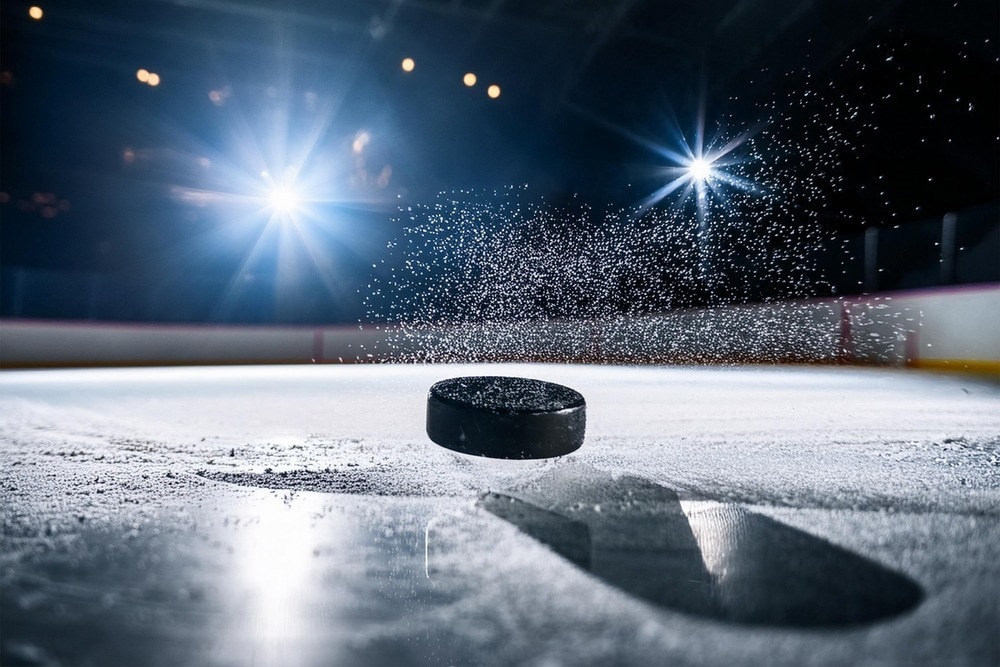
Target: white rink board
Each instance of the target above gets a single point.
(907, 328)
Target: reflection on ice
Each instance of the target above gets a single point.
(567, 537)
(276, 606)
(318, 579)
(764, 572)
(275, 570)
(716, 561)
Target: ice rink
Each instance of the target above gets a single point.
(298, 515)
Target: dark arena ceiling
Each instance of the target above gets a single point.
(567, 70)
(892, 102)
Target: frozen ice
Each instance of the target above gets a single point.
(137, 505)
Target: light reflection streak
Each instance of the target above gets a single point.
(276, 567)
(435, 522)
(286, 594)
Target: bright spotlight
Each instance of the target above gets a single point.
(408, 64)
(700, 169)
(283, 199)
(469, 79)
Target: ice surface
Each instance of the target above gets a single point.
(709, 559)
(298, 515)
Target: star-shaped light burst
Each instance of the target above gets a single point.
(284, 199)
(298, 225)
(285, 189)
(704, 169)
(698, 168)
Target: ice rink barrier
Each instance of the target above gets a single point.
(945, 328)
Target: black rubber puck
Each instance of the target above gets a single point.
(506, 417)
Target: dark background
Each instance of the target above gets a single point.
(875, 124)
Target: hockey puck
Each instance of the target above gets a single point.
(506, 417)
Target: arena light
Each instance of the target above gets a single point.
(283, 199)
(699, 170)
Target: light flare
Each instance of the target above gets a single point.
(283, 199)
(281, 194)
(700, 169)
(702, 166)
